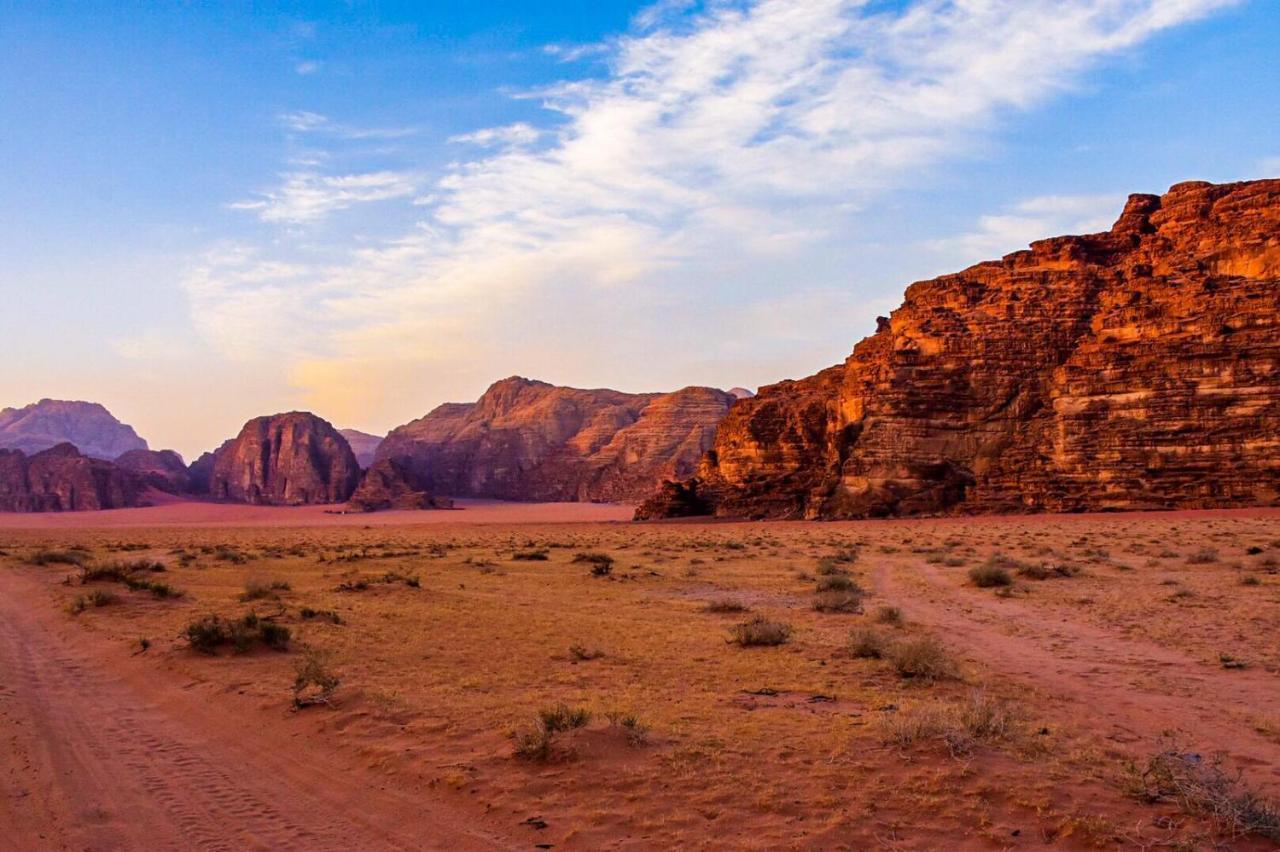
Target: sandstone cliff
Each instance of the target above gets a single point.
(50, 422)
(160, 469)
(60, 479)
(284, 459)
(528, 440)
(1133, 369)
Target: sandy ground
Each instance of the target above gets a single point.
(1162, 635)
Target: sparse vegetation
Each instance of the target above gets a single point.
(725, 606)
(990, 575)
(210, 633)
(538, 742)
(1202, 786)
(761, 631)
(313, 682)
(601, 563)
(921, 658)
(257, 588)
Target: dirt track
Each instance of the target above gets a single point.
(131, 761)
(1127, 690)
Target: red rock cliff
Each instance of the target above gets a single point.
(60, 479)
(528, 440)
(1134, 369)
(285, 459)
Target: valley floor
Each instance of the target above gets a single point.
(1119, 639)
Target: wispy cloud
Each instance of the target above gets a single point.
(1035, 218)
(305, 121)
(727, 149)
(309, 196)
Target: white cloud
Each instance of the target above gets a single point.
(308, 196)
(726, 150)
(1269, 167)
(1033, 219)
(306, 68)
(511, 135)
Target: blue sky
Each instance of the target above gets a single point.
(214, 211)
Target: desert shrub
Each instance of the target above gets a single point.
(1046, 570)
(889, 615)
(111, 572)
(829, 565)
(357, 585)
(635, 731)
(725, 605)
(409, 580)
(95, 598)
(210, 633)
(308, 614)
(867, 643)
(980, 719)
(761, 631)
(1203, 556)
(837, 583)
(313, 682)
(59, 557)
(257, 588)
(537, 743)
(1203, 787)
(838, 600)
(989, 575)
(562, 717)
(223, 553)
(601, 563)
(1250, 580)
(921, 658)
(583, 653)
(540, 555)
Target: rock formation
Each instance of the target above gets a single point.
(50, 422)
(61, 479)
(1133, 369)
(364, 445)
(284, 459)
(528, 440)
(390, 484)
(160, 469)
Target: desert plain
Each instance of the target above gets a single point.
(555, 677)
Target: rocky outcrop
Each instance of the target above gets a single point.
(528, 440)
(61, 479)
(163, 470)
(390, 484)
(284, 459)
(1133, 369)
(364, 445)
(86, 425)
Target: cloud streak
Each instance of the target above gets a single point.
(726, 150)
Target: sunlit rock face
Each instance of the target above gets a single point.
(1133, 369)
(529, 440)
(283, 459)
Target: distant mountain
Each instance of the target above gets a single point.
(86, 425)
(740, 393)
(529, 440)
(364, 445)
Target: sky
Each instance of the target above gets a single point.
(213, 211)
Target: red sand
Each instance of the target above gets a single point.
(182, 513)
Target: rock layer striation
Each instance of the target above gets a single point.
(529, 440)
(1133, 369)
